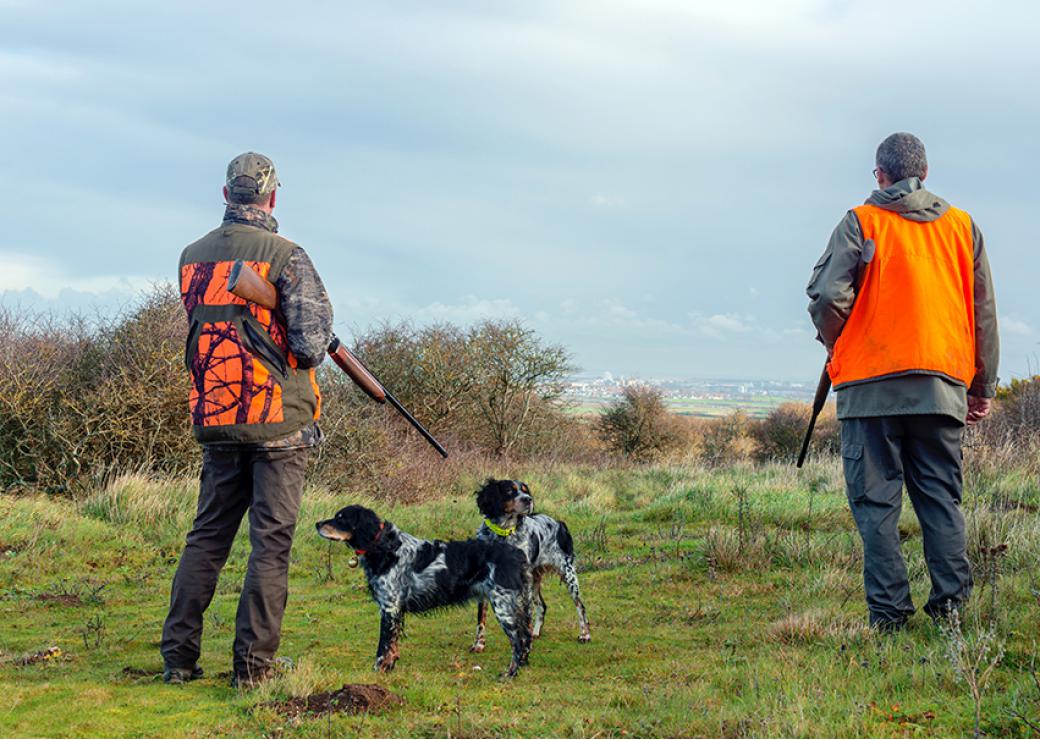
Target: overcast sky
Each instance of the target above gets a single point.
(647, 182)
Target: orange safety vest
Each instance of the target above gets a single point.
(246, 383)
(915, 307)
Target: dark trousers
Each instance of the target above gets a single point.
(924, 452)
(269, 485)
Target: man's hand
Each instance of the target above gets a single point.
(978, 409)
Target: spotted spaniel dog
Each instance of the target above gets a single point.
(406, 574)
(508, 509)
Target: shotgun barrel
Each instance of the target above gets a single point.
(249, 285)
(820, 400)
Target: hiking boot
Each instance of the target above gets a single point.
(889, 626)
(248, 681)
(253, 678)
(181, 675)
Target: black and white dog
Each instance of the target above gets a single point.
(508, 509)
(406, 574)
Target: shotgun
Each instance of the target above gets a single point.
(246, 283)
(819, 401)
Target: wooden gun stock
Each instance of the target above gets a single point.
(822, 389)
(249, 285)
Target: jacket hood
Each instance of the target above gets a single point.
(910, 200)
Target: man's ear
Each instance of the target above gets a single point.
(923, 176)
(224, 190)
(270, 203)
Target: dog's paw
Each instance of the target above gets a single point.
(384, 666)
(585, 638)
(477, 647)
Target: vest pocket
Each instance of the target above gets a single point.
(258, 342)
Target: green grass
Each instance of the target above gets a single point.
(713, 613)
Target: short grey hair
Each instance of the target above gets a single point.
(901, 156)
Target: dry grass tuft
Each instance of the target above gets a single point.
(815, 625)
(302, 680)
(143, 500)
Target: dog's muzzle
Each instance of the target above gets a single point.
(330, 531)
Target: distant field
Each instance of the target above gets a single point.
(756, 407)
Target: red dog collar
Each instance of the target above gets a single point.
(361, 553)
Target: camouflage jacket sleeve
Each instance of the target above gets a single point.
(832, 287)
(306, 308)
(987, 340)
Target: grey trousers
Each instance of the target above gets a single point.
(924, 452)
(269, 485)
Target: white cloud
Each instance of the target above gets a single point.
(48, 278)
(469, 310)
(608, 201)
(728, 326)
(1015, 326)
(727, 323)
(618, 310)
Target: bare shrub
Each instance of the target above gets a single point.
(517, 374)
(495, 386)
(1018, 408)
(728, 440)
(432, 370)
(83, 402)
(779, 436)
(79, 399)
(639, 426)
(556, 437)
(973, 654)
(1008, 440)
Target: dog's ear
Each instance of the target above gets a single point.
(489, 499)
(362, 523)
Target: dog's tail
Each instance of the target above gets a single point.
(564, 540)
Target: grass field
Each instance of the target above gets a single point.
(722, 603)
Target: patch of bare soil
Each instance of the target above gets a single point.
(63, 599)
(131, 672)
(351, 699)
(50, 654)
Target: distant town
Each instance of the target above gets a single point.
(589, 394)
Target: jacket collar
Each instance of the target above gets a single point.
(250, 216)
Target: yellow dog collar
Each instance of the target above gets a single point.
(500, 531)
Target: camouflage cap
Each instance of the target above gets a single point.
(251, 174)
